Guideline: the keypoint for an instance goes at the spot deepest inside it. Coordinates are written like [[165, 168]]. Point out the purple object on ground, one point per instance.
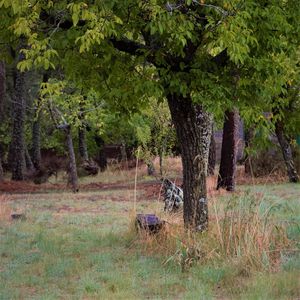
[[149, 222]]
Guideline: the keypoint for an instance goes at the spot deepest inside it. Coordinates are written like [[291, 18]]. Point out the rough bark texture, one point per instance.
[[286, 152], [249, 135], [83, 152], [36, 143], [1, 171], [17, 147], [73, 178], [189, 128], [226, 177], [2, 87], [2, 99], [212, 153], [101, 157]]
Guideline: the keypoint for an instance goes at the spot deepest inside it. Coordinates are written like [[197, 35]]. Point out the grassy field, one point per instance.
[[84, 246]]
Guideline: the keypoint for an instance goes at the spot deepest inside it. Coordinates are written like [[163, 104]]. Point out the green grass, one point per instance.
[[81, 247]]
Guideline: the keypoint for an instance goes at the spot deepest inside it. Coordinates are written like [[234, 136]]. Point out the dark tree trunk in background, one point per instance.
[[2, 87], [226, 177], [36, 142], [123, 152], [28, 161], [161, 162], [187, 122], [1, 171], [83, 152], [2, 99], [212, 153], [73, 178], [17, 146], [286, 151], [249, 135], [36, 132], [150, 168], [101, 157]]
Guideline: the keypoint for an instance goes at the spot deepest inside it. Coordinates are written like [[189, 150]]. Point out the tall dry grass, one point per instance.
[[5, 209], [243, 231]]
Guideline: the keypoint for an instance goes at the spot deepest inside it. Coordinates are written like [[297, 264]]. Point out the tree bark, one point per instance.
[[28, 160], [83, 152], [1, 171], [226, 177], [212, 153], [2, 87], [2, 99], [18, 144], [286, 151], [249, 135], [189, 129], [36, 142], [101, 157], [73, 178]]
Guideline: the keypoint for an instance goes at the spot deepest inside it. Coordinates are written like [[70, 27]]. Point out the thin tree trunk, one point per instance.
[[286, 151], [83, 152], [36, 142], [212, 153], [1, 171], [226, 177], [2, 87], [101, 157], [18, 144], [161, 154], [123, 152], [73, 178], [189, 128], [28, 160], [249, 135]]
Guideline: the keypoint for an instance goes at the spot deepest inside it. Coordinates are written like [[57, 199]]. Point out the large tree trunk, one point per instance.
[[2, 99], [286, 151], [73, 178], [212, 153], [17, 147], [83, 152], [226, 177], [189, 128]]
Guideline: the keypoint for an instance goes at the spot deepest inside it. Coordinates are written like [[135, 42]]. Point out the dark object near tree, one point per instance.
[[149, 222], [16, 216], [90, 167], [226, 177], [42, 175], [150, 168], [101, 158]]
